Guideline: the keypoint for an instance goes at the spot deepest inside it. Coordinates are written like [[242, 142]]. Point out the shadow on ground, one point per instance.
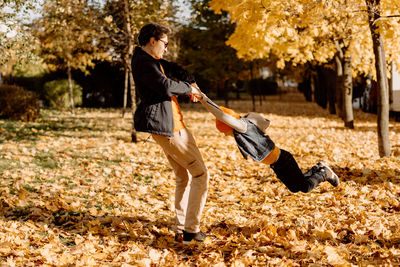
[[72, 127]]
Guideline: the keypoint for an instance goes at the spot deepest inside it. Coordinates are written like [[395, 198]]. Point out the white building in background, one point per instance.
[[395, 85], [266, 73]]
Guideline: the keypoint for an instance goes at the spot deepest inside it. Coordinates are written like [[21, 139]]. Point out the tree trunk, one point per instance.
[[125, 90], [308, 90], [71, 90], [317, 92], [253, 101], [383, 88], [305, 85], [237, 91], [348, 93], [133, 100], [339, 86], [321, 86], [252, 90], [331, 88], [226, 93], [128, 59], [344, 82], [391, 88]]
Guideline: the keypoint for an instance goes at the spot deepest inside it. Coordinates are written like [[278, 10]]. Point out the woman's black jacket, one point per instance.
[[154, 89]]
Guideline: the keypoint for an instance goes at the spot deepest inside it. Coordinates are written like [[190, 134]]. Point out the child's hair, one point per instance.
[[222, 127]]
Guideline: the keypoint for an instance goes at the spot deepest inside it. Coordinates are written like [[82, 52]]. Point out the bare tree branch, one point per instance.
[[385, 17]]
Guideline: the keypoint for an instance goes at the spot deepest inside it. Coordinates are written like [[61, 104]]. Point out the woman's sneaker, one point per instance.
[[199, 237], [329, 175]]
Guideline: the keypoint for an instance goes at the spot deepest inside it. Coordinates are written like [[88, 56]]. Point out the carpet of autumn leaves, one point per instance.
[[75, 191]]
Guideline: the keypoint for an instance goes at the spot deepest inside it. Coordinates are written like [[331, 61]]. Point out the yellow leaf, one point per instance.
[[333, 257], [5, 248]]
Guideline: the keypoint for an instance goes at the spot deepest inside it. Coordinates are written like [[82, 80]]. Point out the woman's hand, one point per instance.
[[196, 94]]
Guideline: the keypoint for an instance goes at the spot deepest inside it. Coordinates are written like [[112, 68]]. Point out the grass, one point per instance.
[[7, 164], [30, 188], [45, 160]]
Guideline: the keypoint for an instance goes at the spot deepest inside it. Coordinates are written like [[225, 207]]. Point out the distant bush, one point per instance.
[[103, 87], [16, 103], [57, 94]]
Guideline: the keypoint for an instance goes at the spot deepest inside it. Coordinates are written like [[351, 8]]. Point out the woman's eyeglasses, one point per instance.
[[165, 43]]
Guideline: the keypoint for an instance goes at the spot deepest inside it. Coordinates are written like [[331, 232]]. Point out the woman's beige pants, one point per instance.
[[191, 178]]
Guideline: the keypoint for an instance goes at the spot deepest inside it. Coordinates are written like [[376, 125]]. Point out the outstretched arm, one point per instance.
[[237, 124]]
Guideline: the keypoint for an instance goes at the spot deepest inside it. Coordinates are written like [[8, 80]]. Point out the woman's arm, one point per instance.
[[237, 124], [173, 70], [148, 74]]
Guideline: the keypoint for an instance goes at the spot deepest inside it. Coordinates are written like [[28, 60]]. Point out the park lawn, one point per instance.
[[75, 191]]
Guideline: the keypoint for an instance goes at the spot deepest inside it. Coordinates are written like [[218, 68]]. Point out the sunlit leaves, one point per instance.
[[140, 13], [203, 49], [17, 44], [299, 31], [69, 32]]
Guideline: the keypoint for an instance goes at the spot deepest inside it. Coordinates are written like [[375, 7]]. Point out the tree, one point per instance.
[[374, 15], [124, 18], [204, 52], [300, 30], [296, 37], [17, 44], [70, 36]]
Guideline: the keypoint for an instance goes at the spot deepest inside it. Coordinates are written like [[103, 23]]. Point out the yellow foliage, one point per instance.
[[309, 27]]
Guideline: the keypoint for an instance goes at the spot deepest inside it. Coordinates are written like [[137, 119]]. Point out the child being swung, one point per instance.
[[248, 132]]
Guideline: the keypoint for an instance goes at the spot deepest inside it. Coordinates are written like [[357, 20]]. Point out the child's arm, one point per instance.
[[237, 124]]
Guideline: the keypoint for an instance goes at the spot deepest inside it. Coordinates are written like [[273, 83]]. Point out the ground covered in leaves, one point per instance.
[[75, 191]]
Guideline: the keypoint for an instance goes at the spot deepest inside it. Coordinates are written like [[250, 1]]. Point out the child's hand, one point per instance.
[[196, 94]]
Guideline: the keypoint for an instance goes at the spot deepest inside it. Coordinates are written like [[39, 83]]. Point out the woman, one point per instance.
[[158, 83]]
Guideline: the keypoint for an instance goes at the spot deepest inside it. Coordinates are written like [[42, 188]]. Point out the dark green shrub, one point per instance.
[[57, 94], [16, 103]]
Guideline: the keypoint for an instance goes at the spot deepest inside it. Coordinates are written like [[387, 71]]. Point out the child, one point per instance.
[[248, 132]]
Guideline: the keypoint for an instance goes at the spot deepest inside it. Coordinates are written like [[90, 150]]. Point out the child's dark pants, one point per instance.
[[287, 170]]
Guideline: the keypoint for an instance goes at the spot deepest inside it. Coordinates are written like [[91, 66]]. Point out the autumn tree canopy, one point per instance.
[[70, 36], [68, 32], [358, 32], [299, 31], [204, 51], [17, 44]]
